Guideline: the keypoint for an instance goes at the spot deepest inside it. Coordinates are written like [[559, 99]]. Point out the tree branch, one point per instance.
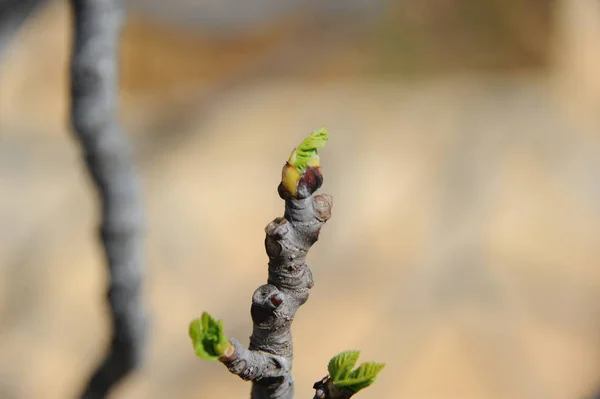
[[94, 91], [268, 361]]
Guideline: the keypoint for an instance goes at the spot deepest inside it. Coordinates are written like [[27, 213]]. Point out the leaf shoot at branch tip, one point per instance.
[[306, 154], [303, 157], [341, 373], [208, 339]]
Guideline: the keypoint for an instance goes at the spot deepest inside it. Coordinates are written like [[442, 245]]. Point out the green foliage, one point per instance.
[[306, 153], [341, 373], [208, 339], [341, 364]]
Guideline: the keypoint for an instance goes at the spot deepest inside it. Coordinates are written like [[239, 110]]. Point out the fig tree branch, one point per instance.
[[267, 362]]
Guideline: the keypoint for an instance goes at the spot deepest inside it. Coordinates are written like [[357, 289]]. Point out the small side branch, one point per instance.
[[252, 365], [94, 91]]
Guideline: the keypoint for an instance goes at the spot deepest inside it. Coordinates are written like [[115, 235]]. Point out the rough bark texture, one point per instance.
[[94, 90], [268, 361]]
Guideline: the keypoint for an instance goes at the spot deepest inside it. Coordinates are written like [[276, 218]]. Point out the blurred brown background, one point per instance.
[[464, 162]]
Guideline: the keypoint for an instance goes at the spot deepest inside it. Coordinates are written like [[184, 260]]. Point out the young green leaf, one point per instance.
[[208, 339], [342, 364], [360, 378], [343, 377], [306, 153]]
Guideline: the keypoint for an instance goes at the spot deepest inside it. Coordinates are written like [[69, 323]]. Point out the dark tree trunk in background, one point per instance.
[[94, 90]]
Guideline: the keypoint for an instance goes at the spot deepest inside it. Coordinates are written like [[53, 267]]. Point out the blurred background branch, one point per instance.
[[95, 92]]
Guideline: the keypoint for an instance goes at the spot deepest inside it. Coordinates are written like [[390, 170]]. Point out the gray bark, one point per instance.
[[94, 91], [268, 360]]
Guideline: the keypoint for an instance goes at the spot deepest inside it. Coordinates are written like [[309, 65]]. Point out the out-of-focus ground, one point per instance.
[[464, 162]]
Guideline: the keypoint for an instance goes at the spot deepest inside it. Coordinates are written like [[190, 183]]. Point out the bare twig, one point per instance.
[[268, 361], [94, 90]]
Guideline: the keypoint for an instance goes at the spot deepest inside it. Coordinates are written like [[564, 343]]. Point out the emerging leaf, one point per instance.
[[343, 377], [361, 378], [303, 157], [342, 364], [306, 153], [208, 339]]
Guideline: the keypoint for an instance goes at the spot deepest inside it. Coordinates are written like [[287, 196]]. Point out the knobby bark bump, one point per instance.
[[267, 362], [94, 95]]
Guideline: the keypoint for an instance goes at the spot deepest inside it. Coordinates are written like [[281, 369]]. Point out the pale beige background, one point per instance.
[[463, 248]]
